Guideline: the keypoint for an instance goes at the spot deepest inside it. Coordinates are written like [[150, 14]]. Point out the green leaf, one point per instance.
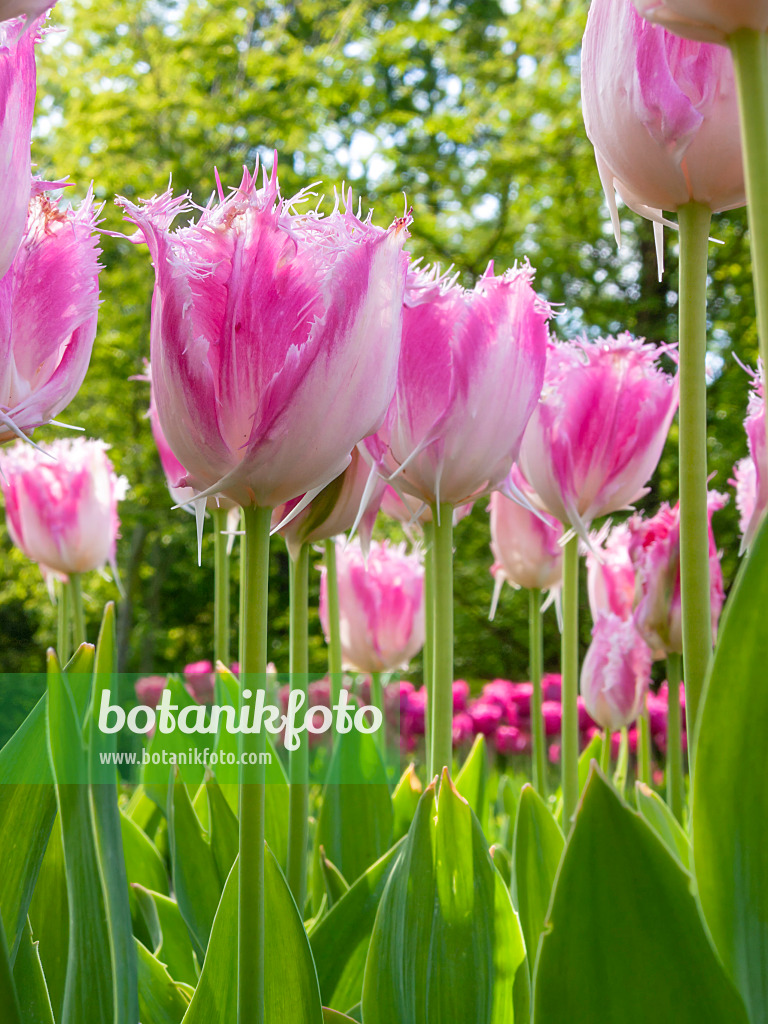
[[9, 999], [589, 754], [335, 883], [471, 779], [447, 943], [291, 991], [142, 858], [160, 999], [405, 800], [223, 829], [195, 878], [624, 940], [730, 797], [661, 819], [49, 916], [334, 1017], [537, 850], [30, 983], [170, 937], [156, 777], [341, 938]]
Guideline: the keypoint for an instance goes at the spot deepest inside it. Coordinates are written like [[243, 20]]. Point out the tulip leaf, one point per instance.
[[291, 990], [335, 883], [623, 929], [170, 937], [9, 999], [537, 850], [472, 777], [447, 943], [49, 916], [730, 797], [589, 754], [661, 819], [160, 1000], [341, 938], [173, 749], [142, 858], [30, 983], [224, 831], [334, 1017], [405, 800]]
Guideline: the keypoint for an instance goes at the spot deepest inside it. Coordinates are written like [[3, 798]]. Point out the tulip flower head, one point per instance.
[[31, 9], [751, 473], [662, 114], [610, 573], [470, 374], [275, 338], [709, 20], [598, 431], [381, 605], [48, 310], [616, 672], [61, 503]]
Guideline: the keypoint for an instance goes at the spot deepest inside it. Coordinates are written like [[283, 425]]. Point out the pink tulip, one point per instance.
[[335, 510], [525, 545], [616, 672], [30, 8], [662, 114], [511, 740], [470, 374], [275, 338], [463, 729], [199, 681], [149, 690], [486, 716], [381, 605], [655, 552], [599, 429], [751, 473], [552, 713], [409, 510], [709, 20], [61, 503], [48, 309], [610, 573]]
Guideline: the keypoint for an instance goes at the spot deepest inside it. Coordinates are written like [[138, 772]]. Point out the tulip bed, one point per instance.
[[233, 844]]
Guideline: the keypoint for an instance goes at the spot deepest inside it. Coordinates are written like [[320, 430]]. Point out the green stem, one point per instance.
[[428, 654], [64, 625], [334, 626], [537, 721], [622, 763], [253, 639], [241, 595], [750, 60], [442, 689], [605, 753], [644, 745], [220, 595], [377, 700], [570, 671], [298, 800], [78, 617], [694, 220], [675, 780]]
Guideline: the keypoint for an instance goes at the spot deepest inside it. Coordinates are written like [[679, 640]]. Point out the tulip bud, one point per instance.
[[61, 503], [709, 20], [381, 606], [610, 573], [524, 544], [616, 672]]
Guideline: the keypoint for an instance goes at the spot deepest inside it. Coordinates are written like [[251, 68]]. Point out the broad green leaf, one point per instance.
[[49, 916], [224, 831], [195, 878], [537, 850], [335, 883], [160, 999], [664, 823], [291, 991], [472, 778], [502, 861], [30, 983], [9, 999], [624, 940], [143, 811], [447, 943], [175, 746], [170, 936], [142, 859], [730, 796], [334, 1017], [341, 938], [405, 800], [589, 754]]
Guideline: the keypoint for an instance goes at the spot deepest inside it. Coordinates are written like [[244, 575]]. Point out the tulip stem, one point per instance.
[[675, 780], [334, 627], [535, 639], [694, 220], [298, 800], [241, 595], [605, 753], [377, 700], [220, 595], [750, 61], [64, 625], [78, 617], [644, 744], [253, 638], [622, 763], [570, 685], [442, 689], [428, 651]]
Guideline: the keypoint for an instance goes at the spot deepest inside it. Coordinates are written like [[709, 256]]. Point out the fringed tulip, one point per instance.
[[381, 604], [48, 310], [275, 338], [662, 114], [31, 9], [61, 503], [470, 374], [751, 474], [709, 20], [525, 545], [655, 552], [616, 672], [599, 429], [610, 573]]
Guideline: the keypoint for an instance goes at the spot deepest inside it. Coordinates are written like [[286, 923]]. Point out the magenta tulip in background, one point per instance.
[[712, 20], [471, 370], [598, 431], [275, 338], [616, 672], [48, 310], [610, 573], [526, 546], [61, 503], [751, 473], [655, 552], [381, 605], [662, 114]]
